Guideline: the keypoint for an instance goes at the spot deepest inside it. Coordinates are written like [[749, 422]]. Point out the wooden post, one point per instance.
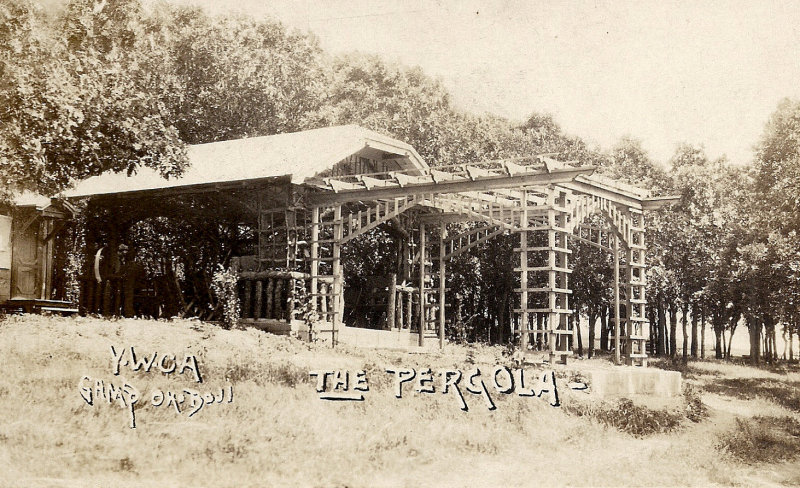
[[117, 290], [524, 337], [399, 311], [247, 302], [89, 283], [338, 313], [409, 310], [391, 302], [421, 283], [269, 312], [441, 285], [616, 300], [98, 296], [87, 292], [130, 273], [259, 296], [324, 289], [278, 302], [113, 244], [552, 317], [314, 257], [290, 293]]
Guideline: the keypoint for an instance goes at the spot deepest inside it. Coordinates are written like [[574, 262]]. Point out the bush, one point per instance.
[[225, 286], [673, 364], [286, 374], [628, 417], [762, 439], [696, 410]]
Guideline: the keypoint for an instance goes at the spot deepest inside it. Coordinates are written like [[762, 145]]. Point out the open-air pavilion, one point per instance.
[[304, 196]]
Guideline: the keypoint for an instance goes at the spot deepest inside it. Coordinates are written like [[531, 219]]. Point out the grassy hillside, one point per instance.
[[277, 432]]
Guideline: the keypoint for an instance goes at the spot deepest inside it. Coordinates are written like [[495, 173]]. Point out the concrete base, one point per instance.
[[390, 339], [295, 328], [354, 336], [626, 382]]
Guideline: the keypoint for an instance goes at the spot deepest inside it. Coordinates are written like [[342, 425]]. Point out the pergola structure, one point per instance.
[[347, 181], [544, 201]]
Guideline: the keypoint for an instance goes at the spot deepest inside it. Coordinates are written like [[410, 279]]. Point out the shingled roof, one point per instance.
[[297, 155]]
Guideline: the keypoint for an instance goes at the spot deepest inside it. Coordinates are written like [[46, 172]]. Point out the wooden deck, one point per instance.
[[27, 305]]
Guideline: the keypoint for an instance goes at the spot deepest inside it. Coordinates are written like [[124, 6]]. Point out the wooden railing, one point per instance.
[[279, 295], [401, 306]]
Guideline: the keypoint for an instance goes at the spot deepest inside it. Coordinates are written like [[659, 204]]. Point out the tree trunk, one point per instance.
[[734, 322], [684, 329], [653, 326], [785, 344], [503, 317], [577, 324], [718, 326], [694, 331], [702, 332], [754, 328], [603, 328], [662, 330], [723, 341], [673, 329], [769, 333], [774, 343], [774, 334], [728, 348], [592, 320]]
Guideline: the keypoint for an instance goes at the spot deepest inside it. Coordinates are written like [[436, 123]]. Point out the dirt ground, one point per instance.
[[277, 431]]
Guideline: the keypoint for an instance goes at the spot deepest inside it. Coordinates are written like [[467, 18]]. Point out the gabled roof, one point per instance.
[[298, 155], [30, 199], [45, 206]]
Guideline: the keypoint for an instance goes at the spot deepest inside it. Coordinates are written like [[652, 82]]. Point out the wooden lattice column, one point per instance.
[[524, 316], [421, 283], [442, 281], [559, 326], [338, 279], [636, 303], [616, 304], [322, 249], [314, 260], [544, 276]]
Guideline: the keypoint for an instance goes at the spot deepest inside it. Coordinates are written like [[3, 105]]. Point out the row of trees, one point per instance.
[[112, 86]]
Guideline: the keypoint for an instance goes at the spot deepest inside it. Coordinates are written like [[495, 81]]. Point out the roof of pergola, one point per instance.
[[498, 182], [294, 156], [305, 157]]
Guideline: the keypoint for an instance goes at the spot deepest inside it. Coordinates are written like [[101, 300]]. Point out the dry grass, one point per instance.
[[782, 392], [278, 433], [763, 439]]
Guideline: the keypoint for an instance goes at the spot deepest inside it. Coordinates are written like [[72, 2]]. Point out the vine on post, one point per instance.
[[225, 286]]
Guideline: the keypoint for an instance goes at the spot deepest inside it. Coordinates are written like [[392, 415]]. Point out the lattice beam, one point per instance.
[[350, 193]]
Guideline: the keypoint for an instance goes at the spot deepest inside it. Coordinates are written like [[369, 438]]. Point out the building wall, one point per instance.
[[5, 257]]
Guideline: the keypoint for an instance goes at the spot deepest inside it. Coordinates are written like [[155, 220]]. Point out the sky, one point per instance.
[[664, 72]]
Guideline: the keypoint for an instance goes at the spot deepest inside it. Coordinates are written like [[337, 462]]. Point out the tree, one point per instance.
[[591, 281], [229, 77], [630, 163], [769, 259], [75, 102]]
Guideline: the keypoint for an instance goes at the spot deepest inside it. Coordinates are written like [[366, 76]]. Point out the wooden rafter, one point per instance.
[[418, 185], [375, 215], [474, 237]]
